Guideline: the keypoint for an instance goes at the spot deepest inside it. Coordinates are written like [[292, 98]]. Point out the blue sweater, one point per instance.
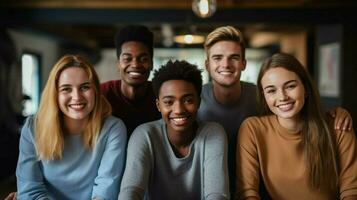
[[81, 173]]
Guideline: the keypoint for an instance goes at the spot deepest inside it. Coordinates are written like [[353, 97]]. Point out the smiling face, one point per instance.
[[135, 63], [225, 63], [284, 93], [76, 95], [178, 103]]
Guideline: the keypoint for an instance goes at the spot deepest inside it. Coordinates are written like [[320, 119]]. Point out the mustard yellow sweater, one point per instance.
[[266, 149]]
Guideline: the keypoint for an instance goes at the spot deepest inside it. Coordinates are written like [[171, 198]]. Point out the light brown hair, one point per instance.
[[225, 33], [318, 144]]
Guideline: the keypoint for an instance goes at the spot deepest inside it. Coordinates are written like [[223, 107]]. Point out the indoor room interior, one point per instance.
[[312, 30]]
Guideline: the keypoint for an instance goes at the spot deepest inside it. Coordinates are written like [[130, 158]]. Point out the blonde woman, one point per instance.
[[72, 148], [293, 148]]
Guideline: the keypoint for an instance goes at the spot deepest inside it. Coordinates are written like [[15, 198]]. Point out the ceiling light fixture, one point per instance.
[[189, 39], [204, 8]]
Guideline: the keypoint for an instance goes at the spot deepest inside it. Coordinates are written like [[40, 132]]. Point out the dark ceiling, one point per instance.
[[92, 23]]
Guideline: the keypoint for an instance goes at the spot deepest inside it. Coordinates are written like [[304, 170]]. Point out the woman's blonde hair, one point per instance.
[[319, 146], [49, 123]]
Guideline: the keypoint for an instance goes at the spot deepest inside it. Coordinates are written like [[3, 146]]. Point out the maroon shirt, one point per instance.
[[133, 113]]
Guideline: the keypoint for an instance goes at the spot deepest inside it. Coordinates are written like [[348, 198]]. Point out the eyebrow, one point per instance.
[[231, 55], [287, 82], [142, 54], [172, 97], [68, 85]]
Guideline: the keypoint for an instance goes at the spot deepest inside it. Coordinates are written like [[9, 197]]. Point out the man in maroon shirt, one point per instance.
[[132, 97]]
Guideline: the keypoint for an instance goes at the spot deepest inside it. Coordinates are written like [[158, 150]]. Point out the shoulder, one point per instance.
[[29, 124], [212, 129], [114, 125], [207, 99], [249, 90], [211, 126], [147, 133], [247, 85], [110, 85], [206, 88], [28, 129], [150, 91], [257, 123], [149, 128], [113, 121], [152, 127]]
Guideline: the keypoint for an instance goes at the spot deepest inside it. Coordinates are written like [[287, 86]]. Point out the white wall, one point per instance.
[[107, 67]]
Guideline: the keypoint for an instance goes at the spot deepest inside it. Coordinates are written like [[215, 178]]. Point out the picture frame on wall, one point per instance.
[[329, 69]]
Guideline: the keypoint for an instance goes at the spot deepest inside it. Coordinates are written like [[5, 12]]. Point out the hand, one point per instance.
[[343, 119], [11, 196]]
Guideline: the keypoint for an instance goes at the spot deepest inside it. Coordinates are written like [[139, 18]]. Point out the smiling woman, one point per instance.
[[294, 145], [72, 148]]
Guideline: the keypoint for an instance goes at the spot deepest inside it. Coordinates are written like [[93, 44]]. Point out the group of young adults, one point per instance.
[[174, 139]]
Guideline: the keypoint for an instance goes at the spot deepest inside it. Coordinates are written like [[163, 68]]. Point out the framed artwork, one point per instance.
[[329, 70]]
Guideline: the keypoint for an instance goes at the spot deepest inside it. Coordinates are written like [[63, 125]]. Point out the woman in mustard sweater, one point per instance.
[[293, 148]]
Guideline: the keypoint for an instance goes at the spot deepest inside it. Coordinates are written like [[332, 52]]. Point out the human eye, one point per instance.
[[188, 100], [144, 59], [65, 89], [270, 91], [291, 86], [85, 87], [216, 58], [167, 102], [126, 59], [236, 58]]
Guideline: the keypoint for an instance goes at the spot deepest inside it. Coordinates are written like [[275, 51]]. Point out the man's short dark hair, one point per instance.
[[177, 70], [136, 33]]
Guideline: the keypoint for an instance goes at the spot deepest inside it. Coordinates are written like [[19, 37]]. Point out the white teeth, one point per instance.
[[135, 73], [179, 119], [285, 107], [76, 106], [225, 73]]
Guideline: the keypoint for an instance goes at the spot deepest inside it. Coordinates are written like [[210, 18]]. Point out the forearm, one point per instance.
[[107, 182], [216, 180]]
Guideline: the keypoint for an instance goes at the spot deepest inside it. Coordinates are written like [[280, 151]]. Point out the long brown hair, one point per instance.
[[49, 135], [319, 148]]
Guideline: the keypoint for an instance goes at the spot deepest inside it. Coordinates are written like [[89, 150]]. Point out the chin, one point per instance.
[[287, 115], [78, 117]]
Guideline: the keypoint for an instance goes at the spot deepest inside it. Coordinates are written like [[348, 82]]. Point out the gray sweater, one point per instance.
[[153, 168], [230, 117]]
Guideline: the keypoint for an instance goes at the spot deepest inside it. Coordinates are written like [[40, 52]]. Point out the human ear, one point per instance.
[[244, 63], [158, 105]]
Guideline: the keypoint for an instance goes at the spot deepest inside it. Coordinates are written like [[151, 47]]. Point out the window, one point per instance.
[[30, 82]]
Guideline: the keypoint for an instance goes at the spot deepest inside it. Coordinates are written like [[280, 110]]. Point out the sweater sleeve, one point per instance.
[[107, 182], [248, 171], [138, 166], [30, 183], [216, 181], [347, 150]]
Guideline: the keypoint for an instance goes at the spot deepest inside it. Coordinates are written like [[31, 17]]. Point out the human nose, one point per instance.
[[76, 94], [225, 62], [179, 108], [135, 62], [282, 95]]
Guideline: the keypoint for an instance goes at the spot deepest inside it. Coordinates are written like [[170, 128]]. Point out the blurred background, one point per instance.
[[35, 33]]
